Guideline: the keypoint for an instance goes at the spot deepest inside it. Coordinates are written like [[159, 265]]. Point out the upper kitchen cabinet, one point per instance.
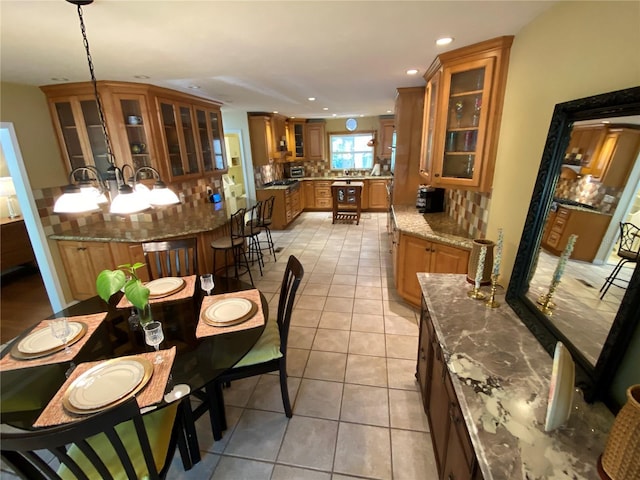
[[296, 142], [617, 156], [268, 136], [463, 107], [316, 139], [178, 134], [387, 129], [211, 138]]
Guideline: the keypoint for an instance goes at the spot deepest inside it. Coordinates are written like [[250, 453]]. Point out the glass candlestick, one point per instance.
[[491, 303]]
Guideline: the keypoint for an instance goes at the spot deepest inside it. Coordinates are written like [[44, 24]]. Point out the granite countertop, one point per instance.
[[356, 178], [439, 227], [501, 375], [183, 220], [583, 209]]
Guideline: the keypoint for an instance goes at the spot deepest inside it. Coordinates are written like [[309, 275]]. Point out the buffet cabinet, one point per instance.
[[462, 112], [287, 204], [455, 457], [413, 254], [180, 135]]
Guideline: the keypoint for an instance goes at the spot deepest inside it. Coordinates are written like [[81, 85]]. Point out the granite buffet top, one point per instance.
[[184, 220], [439, 227], [501, 375]]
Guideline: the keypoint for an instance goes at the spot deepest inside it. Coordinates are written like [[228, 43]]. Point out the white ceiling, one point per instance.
[[252, 55]]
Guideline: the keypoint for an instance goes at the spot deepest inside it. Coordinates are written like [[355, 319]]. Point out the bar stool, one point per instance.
[[233, 244], [252, 230], [264, 221]]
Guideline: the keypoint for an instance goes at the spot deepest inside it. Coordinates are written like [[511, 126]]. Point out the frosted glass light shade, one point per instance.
[[7, 188], [128, 201], [161, 195], [73, 200], [92, 191]]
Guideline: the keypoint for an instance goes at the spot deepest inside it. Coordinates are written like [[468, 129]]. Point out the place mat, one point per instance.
[[205, 330], [92, 322], [152, 393], [186, 292]]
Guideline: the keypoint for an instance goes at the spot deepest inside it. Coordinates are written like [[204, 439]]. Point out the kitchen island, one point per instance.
[[87, 249], [485, 381]]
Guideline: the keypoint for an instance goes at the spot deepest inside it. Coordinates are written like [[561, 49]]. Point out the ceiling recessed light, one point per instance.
[[275, 111], [444, 41], [335, 114], [389, 111], [412, 71], [325, 108], [60, 79], [194, 87], [312, 99], [141, 77], [361, 115]]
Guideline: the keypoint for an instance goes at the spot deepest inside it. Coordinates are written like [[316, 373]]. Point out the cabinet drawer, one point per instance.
[[554, 239], [323, 202], [323, 192]]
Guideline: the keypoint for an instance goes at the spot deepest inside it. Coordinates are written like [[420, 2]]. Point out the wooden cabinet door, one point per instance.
[[439, 407], [133, 119], [428, 125], [309, 194], [619, 152], [414, 257], [460, 457], [378, 195], [315, 136], [446, 259], [387, 128], [83, 261], [425, 356], [296, 142], [261, 138], [211, 139]]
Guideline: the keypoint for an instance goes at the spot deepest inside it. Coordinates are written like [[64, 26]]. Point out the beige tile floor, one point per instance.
[[357, 412]]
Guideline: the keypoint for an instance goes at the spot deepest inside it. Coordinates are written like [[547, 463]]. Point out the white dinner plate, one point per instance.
[[229, 311], [107, 383], [164, 286], [42, 340], [561, 389]]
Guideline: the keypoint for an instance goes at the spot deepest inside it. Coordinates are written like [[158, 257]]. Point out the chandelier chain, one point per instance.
[[103, 123]]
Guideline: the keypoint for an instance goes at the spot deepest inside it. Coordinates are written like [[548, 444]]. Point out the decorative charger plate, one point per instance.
[[41, 342], [561, 388], [107, 384], [162, 287], [229, 311]]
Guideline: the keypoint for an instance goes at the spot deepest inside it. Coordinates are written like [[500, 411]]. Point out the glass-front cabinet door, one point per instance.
[[179, 136], [69, 130], [132, 114], [465, 89], [211, 140]]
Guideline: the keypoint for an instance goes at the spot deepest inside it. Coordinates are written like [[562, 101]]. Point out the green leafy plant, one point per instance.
[[109, 282]]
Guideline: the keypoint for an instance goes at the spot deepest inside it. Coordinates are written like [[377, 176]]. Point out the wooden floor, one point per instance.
[[23, 302]]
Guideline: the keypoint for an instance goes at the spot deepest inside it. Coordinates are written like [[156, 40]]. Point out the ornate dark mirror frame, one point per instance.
[[593, 380]]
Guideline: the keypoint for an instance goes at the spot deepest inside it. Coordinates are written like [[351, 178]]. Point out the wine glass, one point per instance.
[[154, 336], [206, 282], [60, 329]]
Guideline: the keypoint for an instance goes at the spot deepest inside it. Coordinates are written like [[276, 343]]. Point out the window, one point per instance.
[[350, 151]]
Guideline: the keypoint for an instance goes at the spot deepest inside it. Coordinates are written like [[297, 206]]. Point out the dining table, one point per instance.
[[27, 390]]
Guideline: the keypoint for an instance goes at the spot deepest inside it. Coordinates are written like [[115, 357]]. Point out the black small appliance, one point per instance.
[[430, 200]]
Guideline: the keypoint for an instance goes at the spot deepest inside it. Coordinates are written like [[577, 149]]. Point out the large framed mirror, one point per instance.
[[569, 198]]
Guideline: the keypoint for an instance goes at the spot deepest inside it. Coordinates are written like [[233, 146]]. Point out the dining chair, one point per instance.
[[265, 222], [171, 258], [252, 230], [234, 244], [269, 354], [116, 443], [628, 251]]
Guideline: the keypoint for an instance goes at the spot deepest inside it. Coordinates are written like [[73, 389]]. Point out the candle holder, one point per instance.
[[491, 303], [476, 294], [545, 305]]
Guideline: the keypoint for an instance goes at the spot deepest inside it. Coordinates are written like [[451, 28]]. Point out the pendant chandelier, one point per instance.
[[82, 195]]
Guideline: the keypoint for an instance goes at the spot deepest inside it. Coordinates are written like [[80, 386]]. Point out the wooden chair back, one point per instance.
[[290, 282], [172, 258], [29, 452]]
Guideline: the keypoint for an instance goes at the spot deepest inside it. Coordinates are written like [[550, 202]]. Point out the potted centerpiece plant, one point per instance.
[[124, 278]]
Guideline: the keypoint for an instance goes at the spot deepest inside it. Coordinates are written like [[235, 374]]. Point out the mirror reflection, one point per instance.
[[596, 189]]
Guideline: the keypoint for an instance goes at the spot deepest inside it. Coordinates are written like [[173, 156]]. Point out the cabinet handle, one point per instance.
[[436, 174], [81, 249], [450, 477]]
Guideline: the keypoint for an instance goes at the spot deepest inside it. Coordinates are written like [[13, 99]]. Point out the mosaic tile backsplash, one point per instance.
[[586, 190], [470, 210]]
